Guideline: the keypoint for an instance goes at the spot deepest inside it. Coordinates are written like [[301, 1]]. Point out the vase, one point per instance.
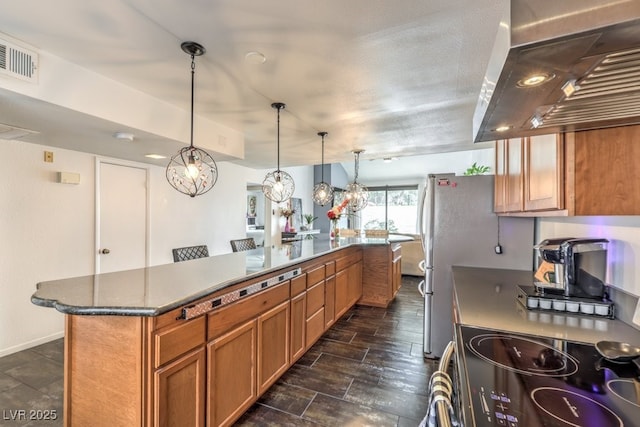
[[287, 228], [334, 232]]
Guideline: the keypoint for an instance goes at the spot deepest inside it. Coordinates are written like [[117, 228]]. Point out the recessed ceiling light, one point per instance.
[[535, 79], [155, 156], [123, 136], [255, 58]]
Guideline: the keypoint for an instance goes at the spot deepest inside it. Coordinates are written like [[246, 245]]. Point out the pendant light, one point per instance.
[[278, 186], [322, 192], [192, 170], [356, 193]]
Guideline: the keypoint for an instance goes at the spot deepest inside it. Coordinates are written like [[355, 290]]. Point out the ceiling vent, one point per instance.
[[11, 132], [18, 62]]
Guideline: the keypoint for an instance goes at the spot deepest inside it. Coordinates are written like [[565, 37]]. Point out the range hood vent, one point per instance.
[[18, 62], [611, 91], [589, 49]]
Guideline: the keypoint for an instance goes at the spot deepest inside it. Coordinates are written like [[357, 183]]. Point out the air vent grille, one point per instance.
[[18, 62], [610, 91]]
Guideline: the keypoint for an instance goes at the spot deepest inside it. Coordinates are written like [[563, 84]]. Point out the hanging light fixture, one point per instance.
[[356, 193], [192, 170], [322, 192], [278, 186]]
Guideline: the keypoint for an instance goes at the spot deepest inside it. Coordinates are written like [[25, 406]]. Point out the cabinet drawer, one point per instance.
[[315, 298], [174, 341], [298, 285], [314, 276], [347, 260], [222, 320], [330, 268]]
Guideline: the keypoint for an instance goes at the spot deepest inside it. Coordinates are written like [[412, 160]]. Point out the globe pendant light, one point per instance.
[[322, 192], [192, 170], [278, 186], [356, 193]]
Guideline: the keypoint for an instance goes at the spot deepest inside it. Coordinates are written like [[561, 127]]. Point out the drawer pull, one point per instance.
[[206, 306]]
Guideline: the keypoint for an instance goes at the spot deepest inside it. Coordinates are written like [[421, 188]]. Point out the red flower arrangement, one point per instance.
[[335, 212]]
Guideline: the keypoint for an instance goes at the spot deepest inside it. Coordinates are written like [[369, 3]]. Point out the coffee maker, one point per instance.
[[572, 267]]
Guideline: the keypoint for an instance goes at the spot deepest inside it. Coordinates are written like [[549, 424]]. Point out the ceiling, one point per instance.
[[396, 79]]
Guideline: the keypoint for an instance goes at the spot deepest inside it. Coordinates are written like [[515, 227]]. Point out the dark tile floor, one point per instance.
[[367, 370], [31, 386]]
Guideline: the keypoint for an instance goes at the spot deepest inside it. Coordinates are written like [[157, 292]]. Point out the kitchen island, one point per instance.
[[535, 367], [197, 342]]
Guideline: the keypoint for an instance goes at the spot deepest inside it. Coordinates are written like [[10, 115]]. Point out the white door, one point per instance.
[[121, 217]]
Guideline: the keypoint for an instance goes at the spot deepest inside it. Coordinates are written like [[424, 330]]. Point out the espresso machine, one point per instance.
[[572, 267]]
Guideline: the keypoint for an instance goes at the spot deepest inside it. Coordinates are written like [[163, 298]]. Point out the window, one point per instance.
[[392, 208]]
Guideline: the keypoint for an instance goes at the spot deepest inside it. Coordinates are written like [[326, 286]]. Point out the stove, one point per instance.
[[518, 380]]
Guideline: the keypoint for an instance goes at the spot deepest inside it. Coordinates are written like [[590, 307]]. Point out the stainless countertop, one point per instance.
[[152, 291], [486, 298]]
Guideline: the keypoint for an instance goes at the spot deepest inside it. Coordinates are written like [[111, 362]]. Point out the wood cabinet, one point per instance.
[[330, 294], [509, 181], [396, 269], [582, 173], [179, 391], [208, 362], [529, 174], [298, 318], [543, 173], [273, 345], [251, 356], [231, 374], [381, 274], [179, 380], [603, 168]]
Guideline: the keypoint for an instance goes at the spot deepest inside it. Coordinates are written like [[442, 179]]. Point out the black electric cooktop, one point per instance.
[[518, 380]]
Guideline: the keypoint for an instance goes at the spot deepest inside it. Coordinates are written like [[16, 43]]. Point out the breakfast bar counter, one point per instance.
[[155, 290], [198, 342]]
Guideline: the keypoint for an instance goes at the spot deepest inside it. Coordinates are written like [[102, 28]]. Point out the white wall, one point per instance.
[[47, 228], [623, 232]]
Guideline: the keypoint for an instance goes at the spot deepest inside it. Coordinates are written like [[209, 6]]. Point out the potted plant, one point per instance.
[[308, 218]]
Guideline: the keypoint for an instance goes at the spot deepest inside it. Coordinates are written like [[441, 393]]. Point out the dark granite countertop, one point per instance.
[[487, 298], [152, 291]]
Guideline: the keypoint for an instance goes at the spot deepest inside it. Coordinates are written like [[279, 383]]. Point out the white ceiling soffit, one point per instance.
[[396, 78]]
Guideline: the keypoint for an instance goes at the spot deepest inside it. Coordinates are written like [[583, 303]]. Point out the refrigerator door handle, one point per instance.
[[421, 288], [422, 201]]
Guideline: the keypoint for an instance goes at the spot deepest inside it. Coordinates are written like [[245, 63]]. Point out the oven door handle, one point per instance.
[[440, 393]]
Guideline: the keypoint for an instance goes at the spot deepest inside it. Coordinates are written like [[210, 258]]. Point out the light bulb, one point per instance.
[[191, 171], [278, 187], [322, 194]]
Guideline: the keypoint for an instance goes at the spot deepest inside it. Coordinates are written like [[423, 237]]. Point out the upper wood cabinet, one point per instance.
[[509, 175], [529, 174], [590, 172], [543, 172], [606, 172]]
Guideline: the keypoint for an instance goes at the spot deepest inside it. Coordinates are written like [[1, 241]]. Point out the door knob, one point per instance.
[[105, 251]]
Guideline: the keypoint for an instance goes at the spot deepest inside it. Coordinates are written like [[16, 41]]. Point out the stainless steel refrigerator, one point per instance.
[[458, 227]]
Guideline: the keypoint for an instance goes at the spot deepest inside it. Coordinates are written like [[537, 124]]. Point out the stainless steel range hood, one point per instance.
[[589, 48]]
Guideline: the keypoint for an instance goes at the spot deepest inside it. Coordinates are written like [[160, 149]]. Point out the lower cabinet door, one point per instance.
[[298, 325], [273, 345], [179, 390], [232, 374], [330, 301]]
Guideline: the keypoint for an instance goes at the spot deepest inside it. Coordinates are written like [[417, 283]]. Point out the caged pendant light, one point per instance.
[[278, 186], [322, 192], [192, 170], [356, 193]]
